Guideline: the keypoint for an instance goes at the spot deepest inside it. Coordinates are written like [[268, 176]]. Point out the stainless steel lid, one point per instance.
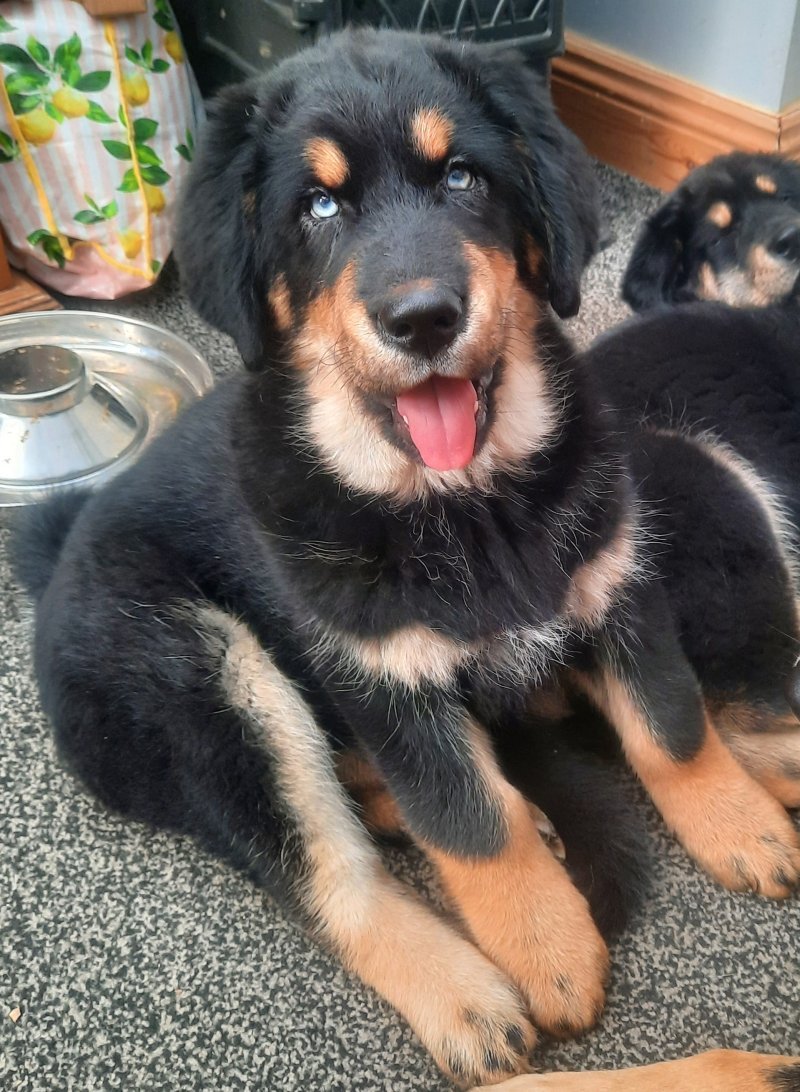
[[81, 393]]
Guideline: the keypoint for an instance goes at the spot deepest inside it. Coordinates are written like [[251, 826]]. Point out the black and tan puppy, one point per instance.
[[730, 232], [337, 577]]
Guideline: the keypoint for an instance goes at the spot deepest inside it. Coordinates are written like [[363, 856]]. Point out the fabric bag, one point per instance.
[[97, 125]]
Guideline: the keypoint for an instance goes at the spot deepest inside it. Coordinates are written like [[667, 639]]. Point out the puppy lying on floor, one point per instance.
[[340, 575], [729, 232]]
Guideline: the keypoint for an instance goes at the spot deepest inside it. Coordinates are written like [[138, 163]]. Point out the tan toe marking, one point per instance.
[[714, 1071], [327, 161], [431, 131]]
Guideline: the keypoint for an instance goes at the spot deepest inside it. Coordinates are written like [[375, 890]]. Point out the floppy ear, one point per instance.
[[656, 266], [217, 238], [557, 183]]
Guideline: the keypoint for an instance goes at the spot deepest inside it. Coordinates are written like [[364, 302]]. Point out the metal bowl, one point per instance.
[[81, 394]]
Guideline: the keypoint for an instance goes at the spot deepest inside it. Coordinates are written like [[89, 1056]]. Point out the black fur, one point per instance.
[[679, 239], [698, 370]]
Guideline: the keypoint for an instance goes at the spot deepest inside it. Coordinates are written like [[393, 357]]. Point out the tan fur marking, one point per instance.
[[772, 276], [720, 214], [327, 161], [341, 353], [596, 585], [249, 203], [766, 184], [766, 280], [280, 302], [724, 819], [766, 744], [714, 1071], [707, 284], [412, 655], [460, 1005], [379, 810], [430, 133], [525, 914]]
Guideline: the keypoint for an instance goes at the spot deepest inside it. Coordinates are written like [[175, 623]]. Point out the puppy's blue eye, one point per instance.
[[459, 178], [323, 206]]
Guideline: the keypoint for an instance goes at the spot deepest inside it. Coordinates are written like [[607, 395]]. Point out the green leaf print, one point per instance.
[[39, 52], [86, 216], [9, 149], [117, 149], [159, 66], [93, 81], [49, 244], [163, 15], [23, 104], [147, 155], [14, 56], [53, 112], [67, 53], [97, 113], [5, 26], [22, 83], [129, 183], [156, 176], [144, 129]]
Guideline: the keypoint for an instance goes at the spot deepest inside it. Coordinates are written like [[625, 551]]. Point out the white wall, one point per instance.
[[744, 49]]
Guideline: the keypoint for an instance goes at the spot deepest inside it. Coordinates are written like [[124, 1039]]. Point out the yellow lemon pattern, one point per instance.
[[136, 89], [37, 126], [71, 103], [46, 85]]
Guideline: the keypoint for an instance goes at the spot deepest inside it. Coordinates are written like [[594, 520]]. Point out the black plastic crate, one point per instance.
[[532, 25], [229, 40]]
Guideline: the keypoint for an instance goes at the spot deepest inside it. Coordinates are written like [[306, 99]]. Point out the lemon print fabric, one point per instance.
[[98, 125]]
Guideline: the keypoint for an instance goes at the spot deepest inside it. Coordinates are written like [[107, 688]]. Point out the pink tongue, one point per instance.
[[440, 414]]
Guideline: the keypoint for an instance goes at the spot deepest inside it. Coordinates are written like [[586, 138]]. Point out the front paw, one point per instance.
[[749, 844], [560, 962]]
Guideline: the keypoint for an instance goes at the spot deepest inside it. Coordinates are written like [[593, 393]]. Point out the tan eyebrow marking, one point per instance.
[[766, 184], [720, 214], [327, 161], [430, 133]]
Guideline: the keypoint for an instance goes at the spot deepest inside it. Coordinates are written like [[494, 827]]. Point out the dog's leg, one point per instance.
[[524, 912], [516, 899], [382, 817], [464, 1009], [716, 1071], [732, 826], [766, 743]]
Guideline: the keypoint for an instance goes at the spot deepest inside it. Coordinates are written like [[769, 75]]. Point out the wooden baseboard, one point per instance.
[[23, 294], [653, 125]]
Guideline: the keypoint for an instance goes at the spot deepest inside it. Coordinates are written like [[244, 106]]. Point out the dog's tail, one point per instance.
[[589, 800], [38, 536]]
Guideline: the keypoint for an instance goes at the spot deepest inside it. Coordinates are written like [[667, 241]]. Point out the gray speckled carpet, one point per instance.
[[140, 964]]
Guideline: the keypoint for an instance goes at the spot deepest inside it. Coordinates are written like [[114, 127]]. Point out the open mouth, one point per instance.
[[443, 419]]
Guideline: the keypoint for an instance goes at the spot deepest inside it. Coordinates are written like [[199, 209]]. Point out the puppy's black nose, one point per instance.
[[787, 243], [422, 319]]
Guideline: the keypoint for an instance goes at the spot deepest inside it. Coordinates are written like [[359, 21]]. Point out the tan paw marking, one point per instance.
[[525, 914]]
